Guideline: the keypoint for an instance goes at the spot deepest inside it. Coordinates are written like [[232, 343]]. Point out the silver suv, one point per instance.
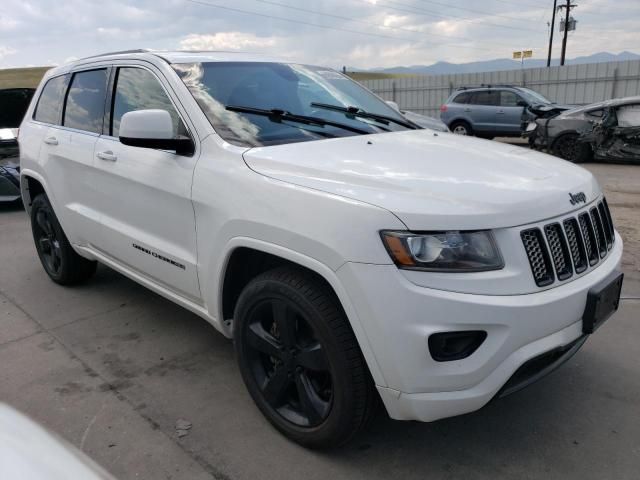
[[489, 111]]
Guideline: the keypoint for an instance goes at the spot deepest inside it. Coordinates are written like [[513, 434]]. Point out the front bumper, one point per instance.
[[399, 316]]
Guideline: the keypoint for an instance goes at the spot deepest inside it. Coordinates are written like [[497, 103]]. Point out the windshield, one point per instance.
[[533, 96], [290, 88]]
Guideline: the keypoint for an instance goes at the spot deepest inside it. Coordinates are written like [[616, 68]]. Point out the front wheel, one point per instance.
[[300, 359], [60, 261], [569, 148]]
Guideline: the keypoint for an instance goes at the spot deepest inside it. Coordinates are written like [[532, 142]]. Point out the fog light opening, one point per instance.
[[450, 346]]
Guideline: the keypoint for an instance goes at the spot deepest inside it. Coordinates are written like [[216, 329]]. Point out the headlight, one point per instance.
[[451, 251], [532, 126]]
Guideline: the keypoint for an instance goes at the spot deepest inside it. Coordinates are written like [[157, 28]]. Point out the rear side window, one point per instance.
[[509, 99], [84, 109], [50, 101], [462, 98], [488, 98], [139, 89]]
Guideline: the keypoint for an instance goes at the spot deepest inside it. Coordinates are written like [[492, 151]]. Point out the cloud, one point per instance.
[[227, 41], [6, 51], [392, 33]]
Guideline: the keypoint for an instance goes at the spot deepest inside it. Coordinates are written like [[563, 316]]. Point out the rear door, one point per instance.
[[67, 154], [144, 195], [484, 104], [509, 113]]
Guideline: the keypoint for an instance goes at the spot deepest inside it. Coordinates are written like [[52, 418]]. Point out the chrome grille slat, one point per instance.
[[538, 257], [559, 251], [573, 245], [597, 224], [589, 237], [576, 246], [605, 225]]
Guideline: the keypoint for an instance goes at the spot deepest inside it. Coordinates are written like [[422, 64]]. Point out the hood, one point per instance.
[[433, 181]]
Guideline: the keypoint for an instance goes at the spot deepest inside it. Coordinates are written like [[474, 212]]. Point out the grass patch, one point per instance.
[[22, 77]]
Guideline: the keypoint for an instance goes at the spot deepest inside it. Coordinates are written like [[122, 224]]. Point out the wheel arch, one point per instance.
[[246, 258], [31, 185]]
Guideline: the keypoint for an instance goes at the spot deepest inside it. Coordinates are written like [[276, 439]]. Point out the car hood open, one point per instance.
[[433, 181]]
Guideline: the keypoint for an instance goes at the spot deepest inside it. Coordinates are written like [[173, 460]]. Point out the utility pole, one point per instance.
[[553, 26], [568, 8]]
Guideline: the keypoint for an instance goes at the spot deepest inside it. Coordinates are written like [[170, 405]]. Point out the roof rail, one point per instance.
[[498, 86], [121, 52]]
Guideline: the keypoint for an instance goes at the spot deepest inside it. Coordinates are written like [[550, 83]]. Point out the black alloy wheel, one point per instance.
[[47, 243], [59, 260], [288, 362], [300, 359], [569, 148]]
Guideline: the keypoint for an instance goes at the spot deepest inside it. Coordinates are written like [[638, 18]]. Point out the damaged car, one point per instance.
[[13, 104], [605, 131]]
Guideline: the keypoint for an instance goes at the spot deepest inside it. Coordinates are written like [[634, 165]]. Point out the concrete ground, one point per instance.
[[112, 367]]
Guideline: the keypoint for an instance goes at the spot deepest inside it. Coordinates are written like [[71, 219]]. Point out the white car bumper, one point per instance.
[[399, 317]]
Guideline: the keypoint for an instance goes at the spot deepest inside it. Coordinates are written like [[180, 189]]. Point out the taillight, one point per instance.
[[443, 108]]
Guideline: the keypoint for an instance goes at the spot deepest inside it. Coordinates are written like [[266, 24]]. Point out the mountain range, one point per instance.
[[443, 68]]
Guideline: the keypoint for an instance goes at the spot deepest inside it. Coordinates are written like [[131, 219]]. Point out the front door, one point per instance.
[[144, 195], [509, 114]]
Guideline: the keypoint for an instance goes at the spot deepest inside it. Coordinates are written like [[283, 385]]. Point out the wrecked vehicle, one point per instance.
[[605, 130], [13, 104]]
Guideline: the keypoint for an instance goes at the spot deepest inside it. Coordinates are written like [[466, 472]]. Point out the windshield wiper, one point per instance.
[[277, 115], [358, 112]]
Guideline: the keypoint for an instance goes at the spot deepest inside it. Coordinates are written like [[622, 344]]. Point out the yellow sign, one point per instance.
[[517, 55], [527, 54]]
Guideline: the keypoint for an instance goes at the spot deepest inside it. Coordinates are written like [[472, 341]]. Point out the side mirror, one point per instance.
[[152, 129], [393, 105], [522, 103]]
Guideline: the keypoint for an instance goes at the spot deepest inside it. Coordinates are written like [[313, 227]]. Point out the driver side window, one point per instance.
[[139, 89]]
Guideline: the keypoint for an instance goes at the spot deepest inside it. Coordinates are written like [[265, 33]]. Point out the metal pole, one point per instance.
[[553, 26], [566, 32]]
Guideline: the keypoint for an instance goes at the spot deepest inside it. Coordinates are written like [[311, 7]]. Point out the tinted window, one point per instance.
[[84, 109], [509, 99], [15, 102], [50, 101], [462, 98], [487, 97], [286, 87], [139, 89]]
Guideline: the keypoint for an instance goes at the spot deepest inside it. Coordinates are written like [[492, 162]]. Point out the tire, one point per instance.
[[568, 148], [300, 359], [460, 127], [59, 260]]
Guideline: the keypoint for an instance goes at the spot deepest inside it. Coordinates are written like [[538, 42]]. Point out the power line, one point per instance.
[[291, 20], [373, 24], [430, 13], [328, 27], [482, 12]]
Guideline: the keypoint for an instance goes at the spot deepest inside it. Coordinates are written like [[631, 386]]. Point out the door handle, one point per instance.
[[501, 112], [51, 141], [107, 156], [467, 109]]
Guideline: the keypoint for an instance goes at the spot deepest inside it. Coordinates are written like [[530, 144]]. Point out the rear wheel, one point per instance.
[[300, 360], [461, 128], [569, 148], [60, 261]]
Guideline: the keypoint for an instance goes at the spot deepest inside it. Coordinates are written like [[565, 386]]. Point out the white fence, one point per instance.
[[572, 85]]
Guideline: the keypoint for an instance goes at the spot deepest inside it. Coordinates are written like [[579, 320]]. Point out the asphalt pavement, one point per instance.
[[114, 369]]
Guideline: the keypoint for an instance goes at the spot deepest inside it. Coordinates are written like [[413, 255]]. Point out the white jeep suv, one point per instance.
[[350, 254]]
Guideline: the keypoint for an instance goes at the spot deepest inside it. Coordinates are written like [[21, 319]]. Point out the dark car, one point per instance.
[[607, 130], [13, 104]]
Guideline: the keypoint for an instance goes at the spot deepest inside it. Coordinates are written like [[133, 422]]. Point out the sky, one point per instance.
[[357, 33]]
